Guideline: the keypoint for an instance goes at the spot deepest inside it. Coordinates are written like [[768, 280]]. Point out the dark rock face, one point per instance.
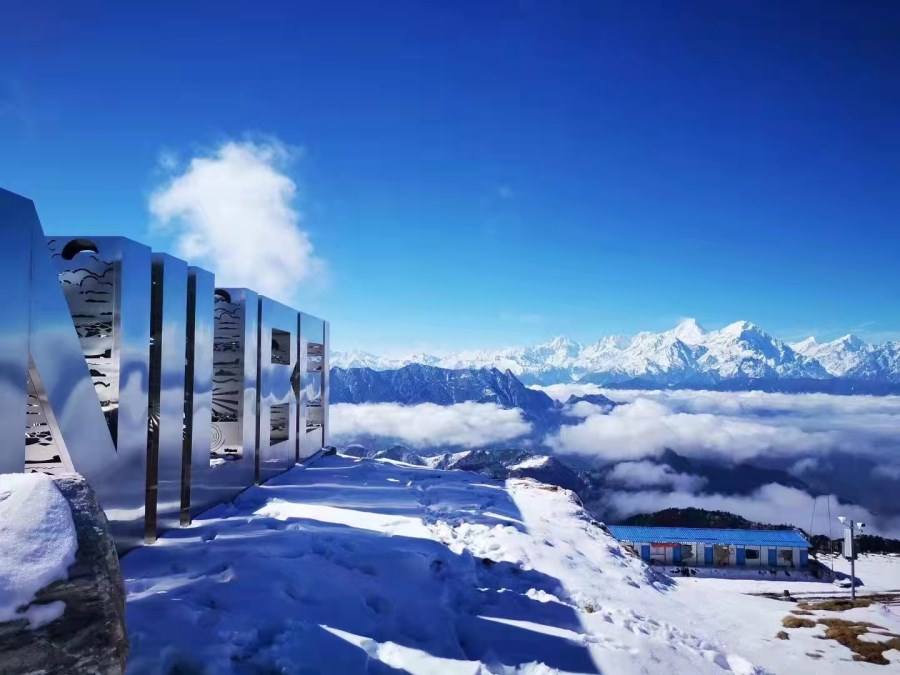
[[416, 383], [90, 636]]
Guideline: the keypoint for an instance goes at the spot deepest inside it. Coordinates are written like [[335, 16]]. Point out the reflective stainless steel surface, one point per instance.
[[235, 361], [18, 222], [312, 379], [107, 286], [326, 370], [197, 492], [277, 423], [99, 333], [168, 347]]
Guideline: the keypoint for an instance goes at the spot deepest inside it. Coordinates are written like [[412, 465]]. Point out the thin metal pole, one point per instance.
[[852, 560]]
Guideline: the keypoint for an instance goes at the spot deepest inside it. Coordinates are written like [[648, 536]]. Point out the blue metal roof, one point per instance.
[[706, 535]]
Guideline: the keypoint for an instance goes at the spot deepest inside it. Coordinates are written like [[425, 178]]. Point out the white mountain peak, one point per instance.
[[689, 331], [685, 353], [738, 327]]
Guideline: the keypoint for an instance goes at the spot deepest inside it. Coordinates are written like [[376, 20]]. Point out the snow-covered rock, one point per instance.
[[62, 600], [37, 545]]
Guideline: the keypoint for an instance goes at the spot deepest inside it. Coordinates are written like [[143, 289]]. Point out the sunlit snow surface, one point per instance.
[[38, 543], [361, 566]]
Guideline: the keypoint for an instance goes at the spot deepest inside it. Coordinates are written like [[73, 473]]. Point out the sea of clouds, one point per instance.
[[819, 439]]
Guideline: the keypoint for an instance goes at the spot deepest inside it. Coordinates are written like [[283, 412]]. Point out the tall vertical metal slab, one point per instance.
[[168, 340], [106, 282], [312, 335], [326, 370], [235, 362], [277, 422], [18, 220], [197, 492]]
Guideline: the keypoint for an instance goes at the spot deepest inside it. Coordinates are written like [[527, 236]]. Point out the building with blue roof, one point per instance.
[[700, 546]]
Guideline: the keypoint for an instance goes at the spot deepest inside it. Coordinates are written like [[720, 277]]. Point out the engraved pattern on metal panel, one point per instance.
[[235, 360]]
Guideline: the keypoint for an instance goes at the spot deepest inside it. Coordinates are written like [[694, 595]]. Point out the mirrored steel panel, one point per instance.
[[198, 493], [312, 388], [168, 348], [106, 282], [130, 368], [18, 222], [326, 370], [234, 404], [277, 427]]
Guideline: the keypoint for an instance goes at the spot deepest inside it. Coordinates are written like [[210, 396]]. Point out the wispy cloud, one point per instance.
[[232, 209], [648, 474]]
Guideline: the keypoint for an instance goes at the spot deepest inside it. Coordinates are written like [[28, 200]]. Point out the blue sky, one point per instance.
[[478, 174]]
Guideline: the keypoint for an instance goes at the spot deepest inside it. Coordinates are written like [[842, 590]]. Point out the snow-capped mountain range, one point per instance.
[[686, 355]]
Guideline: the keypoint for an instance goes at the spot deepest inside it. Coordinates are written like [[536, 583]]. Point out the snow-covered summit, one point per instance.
[[689, 332], [838, 357], [687, 354]]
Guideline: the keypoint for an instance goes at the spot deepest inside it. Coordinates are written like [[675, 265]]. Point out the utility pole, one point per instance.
[[850, 530]]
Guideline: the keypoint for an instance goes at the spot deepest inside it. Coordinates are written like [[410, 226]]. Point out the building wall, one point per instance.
[[668, 556]]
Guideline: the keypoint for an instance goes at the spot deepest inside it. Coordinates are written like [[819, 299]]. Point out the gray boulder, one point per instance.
[[90, 636]]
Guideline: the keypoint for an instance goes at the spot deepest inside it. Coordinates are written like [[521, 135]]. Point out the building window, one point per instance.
[[687, 551], [721, 554], [786, 555], [751, 554]]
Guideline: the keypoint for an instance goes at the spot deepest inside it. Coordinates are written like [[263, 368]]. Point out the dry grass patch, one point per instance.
[[838, 605], [801, 612], [847, 633], [797, 622], [782, 635]]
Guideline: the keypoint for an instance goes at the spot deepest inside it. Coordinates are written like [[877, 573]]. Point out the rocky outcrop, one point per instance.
[[90, 636]]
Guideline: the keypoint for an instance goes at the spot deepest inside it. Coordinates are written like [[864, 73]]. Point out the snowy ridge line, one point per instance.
[[686, 354], [355, 564]]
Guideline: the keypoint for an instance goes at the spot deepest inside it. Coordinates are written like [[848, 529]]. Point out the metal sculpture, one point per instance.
[[131, 368], [277, 402]]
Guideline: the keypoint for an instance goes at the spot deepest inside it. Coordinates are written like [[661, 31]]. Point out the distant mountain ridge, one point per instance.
[[738, 356], [416, 383]]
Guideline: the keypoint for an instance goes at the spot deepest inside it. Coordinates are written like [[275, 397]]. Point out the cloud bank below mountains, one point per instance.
[[428, 424], [735, 426], [233, 211], [808, 436]]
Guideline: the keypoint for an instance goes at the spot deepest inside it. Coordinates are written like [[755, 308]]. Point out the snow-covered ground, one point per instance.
[[362, 566], [750, 623]]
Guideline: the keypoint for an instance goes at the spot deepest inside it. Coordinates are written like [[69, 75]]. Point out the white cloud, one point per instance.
[[584, 409], [649, 474], [774, 504], [428, 424], [646, 428], [734, 426], [232, 210], [891, 471], [562, 392]]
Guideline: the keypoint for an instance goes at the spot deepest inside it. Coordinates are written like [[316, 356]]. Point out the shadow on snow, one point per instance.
[[249, 593]]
